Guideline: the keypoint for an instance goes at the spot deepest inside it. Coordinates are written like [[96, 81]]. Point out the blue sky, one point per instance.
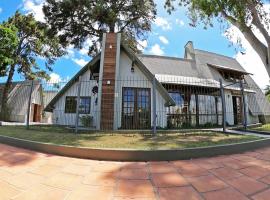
[[169, 35]]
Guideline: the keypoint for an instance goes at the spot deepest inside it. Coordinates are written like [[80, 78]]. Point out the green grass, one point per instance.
[[135, 140], [265, 127]]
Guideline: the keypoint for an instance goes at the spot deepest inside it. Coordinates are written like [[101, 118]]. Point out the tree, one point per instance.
[[35, 40], [246, 15], [267, 92], [79, 20], [8, 43]]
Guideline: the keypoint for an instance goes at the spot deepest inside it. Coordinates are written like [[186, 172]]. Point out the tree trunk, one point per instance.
[[4, 108], [261, 49], [112, 26]]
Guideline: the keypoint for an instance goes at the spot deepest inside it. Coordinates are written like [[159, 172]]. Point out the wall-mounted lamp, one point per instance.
[[132, 66], [110, 46]]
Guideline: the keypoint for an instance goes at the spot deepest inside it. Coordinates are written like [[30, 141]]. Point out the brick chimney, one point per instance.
[[108, 81]]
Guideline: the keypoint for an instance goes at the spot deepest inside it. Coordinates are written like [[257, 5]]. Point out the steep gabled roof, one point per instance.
[[49, 107], [169, 65], [132, 56]]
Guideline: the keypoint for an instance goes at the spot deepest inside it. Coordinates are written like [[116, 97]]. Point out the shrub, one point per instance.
[[86, 120]]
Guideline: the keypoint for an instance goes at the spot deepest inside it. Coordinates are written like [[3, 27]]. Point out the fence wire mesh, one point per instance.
[[132, 103]]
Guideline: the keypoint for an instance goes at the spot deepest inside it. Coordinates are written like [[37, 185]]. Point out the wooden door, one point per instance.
[[237, 110], [36, 112], [136, 108]]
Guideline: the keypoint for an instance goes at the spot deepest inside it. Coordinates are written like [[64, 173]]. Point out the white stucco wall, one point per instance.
[[59, 115]]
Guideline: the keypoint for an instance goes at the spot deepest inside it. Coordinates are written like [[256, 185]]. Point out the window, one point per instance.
[[85, 103], [71, 104], [136, 111], [179, 102]]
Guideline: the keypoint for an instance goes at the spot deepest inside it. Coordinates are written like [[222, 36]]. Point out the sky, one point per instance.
[[168, 37]]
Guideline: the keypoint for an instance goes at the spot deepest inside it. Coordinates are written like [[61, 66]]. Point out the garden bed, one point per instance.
[[121, 140]]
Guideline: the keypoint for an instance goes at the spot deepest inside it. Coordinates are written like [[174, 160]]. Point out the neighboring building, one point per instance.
[[117, 90], [48, 95], [18, 101]]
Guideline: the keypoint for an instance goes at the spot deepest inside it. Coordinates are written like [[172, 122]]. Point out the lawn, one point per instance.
[[135, 140], [265, 127]]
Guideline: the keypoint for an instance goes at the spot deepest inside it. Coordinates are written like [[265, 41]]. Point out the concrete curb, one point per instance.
[[135, 155]]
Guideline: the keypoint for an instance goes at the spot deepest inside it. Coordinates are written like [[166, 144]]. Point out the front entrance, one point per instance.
[[36, 112], [237, 109], [136, 108]]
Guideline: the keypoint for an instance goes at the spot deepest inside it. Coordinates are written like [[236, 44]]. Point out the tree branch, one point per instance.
[[258, 46]]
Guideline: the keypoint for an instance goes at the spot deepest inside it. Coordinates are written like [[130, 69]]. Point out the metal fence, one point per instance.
[[136, 104]]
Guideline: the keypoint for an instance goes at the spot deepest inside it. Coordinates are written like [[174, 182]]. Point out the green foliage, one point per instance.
[[86, 120], [80, 20], [34, 40], [246, 15], [205, 10], [8, 44]]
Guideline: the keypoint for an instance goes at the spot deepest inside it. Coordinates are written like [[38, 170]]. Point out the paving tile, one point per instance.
[[128, 198], [46, 170], [207, 183], [164, 167], [255, 172], [106, 167], [42, 192], [246, 185], [7, 191], [100, 179], [237, 164], [168, 180], [25, 180], [134, 165], [133, 174], [209, 165], [224, 194], [17, 168], [84, 192], [77, 169], [262, 195], [4, 175], [265, 179], [194, 172], [177, 193], [134, 189], [63, 180], [226, 173]]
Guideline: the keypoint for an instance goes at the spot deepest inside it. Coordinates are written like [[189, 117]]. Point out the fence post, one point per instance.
[[244, 105], [223, 105], [29, 105], [78, 105], [154, 107]]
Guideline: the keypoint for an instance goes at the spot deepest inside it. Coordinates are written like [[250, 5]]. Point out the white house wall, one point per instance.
[[19, 101], [59, 115], [138, 80]]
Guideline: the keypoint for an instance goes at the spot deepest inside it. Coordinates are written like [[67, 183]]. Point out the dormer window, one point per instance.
[[231, 77]]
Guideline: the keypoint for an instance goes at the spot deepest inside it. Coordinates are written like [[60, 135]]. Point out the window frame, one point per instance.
[[74, 107]]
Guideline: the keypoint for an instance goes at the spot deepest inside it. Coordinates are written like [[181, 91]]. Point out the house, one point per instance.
[[121, 90], [18, 101]]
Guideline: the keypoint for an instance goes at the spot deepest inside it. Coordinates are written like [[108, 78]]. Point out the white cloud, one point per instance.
[[34, 7], [1, 9], [85, 49], [163, 23], [55, 78], [163, 39], [156, 50], [80, 61], [142, 44], [250, 60], [179, 22]]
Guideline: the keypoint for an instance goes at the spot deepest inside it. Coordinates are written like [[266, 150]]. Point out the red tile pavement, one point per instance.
[[31, 175]]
